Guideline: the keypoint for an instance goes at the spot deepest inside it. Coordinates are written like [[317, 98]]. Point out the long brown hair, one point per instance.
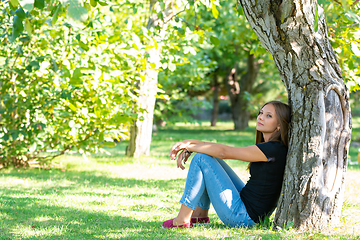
[[283, 115]]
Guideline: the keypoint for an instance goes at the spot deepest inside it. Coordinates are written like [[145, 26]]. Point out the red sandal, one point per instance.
[[200, 221], [170, 224]]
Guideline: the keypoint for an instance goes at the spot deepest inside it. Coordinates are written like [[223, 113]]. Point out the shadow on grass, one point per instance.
[[90, 179], [71, 223], [35, 213], [35, 210], [55, 222]]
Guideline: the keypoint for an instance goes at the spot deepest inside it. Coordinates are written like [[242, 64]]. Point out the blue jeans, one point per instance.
[[211, 180]]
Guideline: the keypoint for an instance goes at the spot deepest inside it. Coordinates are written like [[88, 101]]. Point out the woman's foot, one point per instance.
[[171, 223]]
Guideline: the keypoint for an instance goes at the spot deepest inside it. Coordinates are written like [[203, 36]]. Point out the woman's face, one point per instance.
[[267, 121]]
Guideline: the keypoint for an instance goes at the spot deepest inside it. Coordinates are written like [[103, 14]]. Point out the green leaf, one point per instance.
[[14, 134], [76, 12], [56, 14], [84, 46], [93, 3], [17, 24], [102, 3], [153, 65], [27, 4], [77, 73], [5, 137], [316, 19], [76, 77], [134, 9], [72, 107], [14, 3], [33, 65], [25, 39], [214, 40], [181, 31], [54, 65], [15, 34], [101, 137], [19, 50], [214, 11], [40, 4], [28, 27], [20, 13]]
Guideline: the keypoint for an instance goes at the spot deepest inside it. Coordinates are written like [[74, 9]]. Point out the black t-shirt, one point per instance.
[[261, 193]]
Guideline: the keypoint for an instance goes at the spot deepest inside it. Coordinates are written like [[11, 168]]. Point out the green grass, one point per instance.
[[114, 197], [355, 137]]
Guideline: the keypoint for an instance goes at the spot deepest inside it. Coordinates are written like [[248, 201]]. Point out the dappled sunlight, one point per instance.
[[121, 203], [92, 205], [350, 214], [118, 197]]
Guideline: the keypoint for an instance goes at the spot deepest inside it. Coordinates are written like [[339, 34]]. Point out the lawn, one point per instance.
[[114, 197]]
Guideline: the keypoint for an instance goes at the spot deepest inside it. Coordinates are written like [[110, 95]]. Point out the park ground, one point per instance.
[[114, 197]]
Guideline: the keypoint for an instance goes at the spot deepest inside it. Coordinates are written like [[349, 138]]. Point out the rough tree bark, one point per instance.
[[141, 131], [237, 91], [312, 193]]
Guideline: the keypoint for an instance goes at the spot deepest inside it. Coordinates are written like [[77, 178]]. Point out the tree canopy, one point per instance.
[[68, 74]]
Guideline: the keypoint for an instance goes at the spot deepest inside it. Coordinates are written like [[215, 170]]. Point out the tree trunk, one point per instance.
[[237, 92], [312, 193], [233, 89], [215, 111], [141, 131], [246, 85]]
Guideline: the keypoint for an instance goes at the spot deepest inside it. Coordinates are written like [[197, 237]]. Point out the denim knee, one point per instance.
[[201, 156]]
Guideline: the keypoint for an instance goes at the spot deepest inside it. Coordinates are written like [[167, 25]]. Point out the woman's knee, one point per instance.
[[201, 156]]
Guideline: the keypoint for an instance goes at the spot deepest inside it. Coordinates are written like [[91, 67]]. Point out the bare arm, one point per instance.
[[246, 154]]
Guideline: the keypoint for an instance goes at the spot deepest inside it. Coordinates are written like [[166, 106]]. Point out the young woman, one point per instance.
[[211, 180]]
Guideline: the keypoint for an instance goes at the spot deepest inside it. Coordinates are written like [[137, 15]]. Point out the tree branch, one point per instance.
[[354, 3], [177, 14]]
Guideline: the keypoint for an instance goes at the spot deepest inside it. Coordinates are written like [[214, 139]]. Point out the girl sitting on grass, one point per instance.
[[211, 180]]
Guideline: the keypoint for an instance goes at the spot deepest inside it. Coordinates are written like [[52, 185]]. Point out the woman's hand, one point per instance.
[[176, 148], [182, 155]]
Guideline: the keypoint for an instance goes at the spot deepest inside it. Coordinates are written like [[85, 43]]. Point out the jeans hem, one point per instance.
[[188, 205]]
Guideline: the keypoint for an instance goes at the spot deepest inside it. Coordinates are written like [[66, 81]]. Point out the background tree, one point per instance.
[[239, 89], [175, 37], [141, 130], [295, 34], [344, 33], [67, 71], [183, 85], [226, 40], [238, 54]]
